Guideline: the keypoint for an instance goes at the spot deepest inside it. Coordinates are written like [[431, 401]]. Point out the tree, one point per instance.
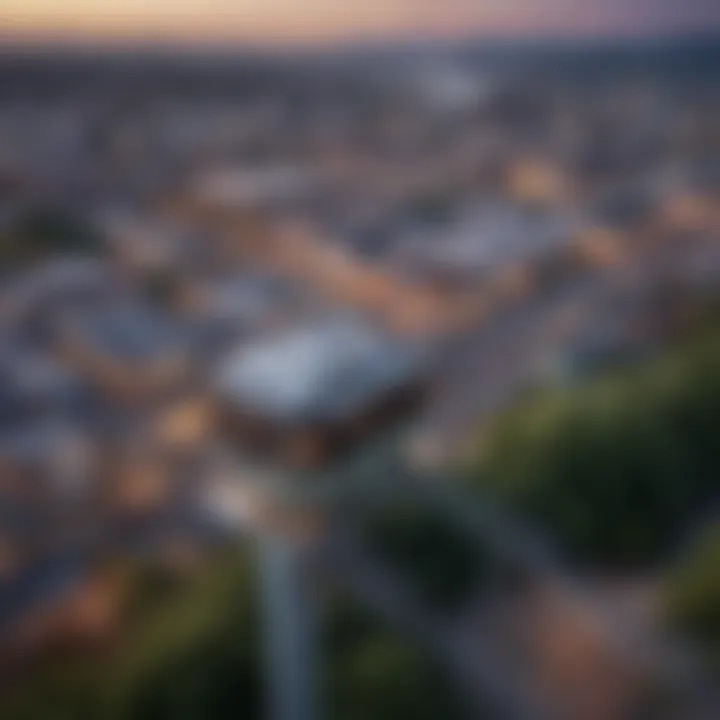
[[692, 595], [373, 673], [615, 468], [190, 652], [441, 563]]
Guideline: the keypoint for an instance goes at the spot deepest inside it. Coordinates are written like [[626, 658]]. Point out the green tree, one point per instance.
[[692, 596], [190, 652], [373, 673], [615, 468], [442, 563]]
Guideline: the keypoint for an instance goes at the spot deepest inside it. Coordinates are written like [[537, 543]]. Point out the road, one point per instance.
[[483, 681], [484, 370]]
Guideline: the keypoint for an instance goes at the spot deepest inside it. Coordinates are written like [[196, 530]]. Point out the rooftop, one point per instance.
[[486, 237], [323, 372], [126, 330]]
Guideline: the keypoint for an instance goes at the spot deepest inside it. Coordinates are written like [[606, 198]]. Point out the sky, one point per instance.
[[314, 21]]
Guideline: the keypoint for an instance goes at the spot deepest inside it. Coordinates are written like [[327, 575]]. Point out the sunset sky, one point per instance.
[[317, 20]]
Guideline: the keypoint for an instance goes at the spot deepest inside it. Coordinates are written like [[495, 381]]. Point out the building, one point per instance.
[[482, 241], [303, 396], [125, 348]]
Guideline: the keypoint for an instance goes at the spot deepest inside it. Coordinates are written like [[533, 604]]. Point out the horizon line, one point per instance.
[[71, 43]]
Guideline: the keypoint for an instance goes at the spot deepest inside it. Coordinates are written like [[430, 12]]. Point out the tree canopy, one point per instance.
[[693, 593], [189, 652], [616, 468], [371, 672]]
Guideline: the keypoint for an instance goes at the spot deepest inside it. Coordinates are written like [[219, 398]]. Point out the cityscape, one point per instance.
[[361, 383]]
